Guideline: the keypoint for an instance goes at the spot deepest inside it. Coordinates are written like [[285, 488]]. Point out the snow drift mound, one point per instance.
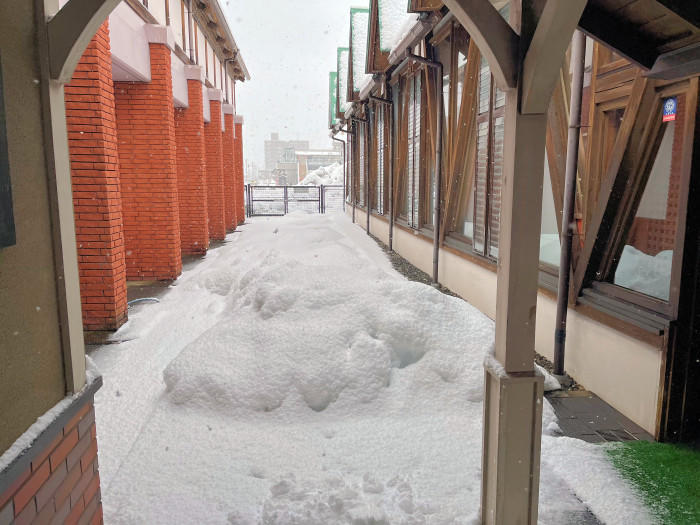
[[295, 336], [319, 342], [326, 175]]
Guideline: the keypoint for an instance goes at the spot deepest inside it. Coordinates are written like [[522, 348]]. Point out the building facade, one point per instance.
[[120, 151]]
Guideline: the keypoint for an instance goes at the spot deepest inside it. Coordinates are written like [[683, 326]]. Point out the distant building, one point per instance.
[[275, 149]]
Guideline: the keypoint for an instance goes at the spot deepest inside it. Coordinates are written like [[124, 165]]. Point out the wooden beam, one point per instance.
[[543, 58], [688, 10], [70, 32], [622, 36], [496, 39]]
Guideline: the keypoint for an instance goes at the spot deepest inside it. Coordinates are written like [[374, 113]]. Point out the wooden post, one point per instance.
[[513, 391], [525, 57]]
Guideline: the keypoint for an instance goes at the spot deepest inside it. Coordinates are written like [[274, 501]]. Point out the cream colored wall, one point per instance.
[[622, 370], [157, 9], [176, 20], [31, 360]]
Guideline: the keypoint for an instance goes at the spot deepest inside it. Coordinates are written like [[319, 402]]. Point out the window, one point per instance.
[[7, 223], [460, 92], [380, 159], [488, 173], [637, 249], [362, 164], [645, 263], [550, 246], [413, 159]]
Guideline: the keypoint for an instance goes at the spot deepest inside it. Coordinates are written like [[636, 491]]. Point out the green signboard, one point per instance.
[[332, 97]]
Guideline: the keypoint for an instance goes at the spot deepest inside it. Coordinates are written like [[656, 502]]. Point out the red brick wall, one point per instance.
[[147, 164], [62, 484], [238, 161], [229, 175], [192, 173], [92, 142], [215, 173]]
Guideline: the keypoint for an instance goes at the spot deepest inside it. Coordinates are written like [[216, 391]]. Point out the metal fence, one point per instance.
[[280, 200]]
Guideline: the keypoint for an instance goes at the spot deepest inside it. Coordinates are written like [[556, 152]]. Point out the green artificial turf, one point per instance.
[[668, 477]]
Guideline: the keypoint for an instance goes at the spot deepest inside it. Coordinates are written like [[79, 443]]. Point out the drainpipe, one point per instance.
[[388, 102], [438, 160], [578, 59], [344, 170], [190, 31]]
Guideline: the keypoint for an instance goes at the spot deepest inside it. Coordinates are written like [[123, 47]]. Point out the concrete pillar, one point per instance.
[[230, 208], [92, 142], [238, 168], [192, 167], [215, 167], [147, 164]]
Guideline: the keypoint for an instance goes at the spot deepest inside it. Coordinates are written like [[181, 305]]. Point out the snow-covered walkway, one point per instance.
[[293, 376]]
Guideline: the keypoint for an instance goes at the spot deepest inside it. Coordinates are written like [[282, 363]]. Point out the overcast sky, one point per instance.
[[289, 48]]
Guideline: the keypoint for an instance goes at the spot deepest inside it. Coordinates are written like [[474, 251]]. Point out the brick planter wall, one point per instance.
[[92, 142], [192, 173], [147, 164], [215, 173], [238, 161], [230, 207], [56, 480]]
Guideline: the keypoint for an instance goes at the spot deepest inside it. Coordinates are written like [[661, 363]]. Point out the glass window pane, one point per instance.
[[645, 264], [549, 233], [495, 186], [484, 86], [480, 186]]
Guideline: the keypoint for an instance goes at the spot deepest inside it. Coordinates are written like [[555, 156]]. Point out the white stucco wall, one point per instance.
[[131, 60], [176, 21], [180, 97], [622, 370], [205, 103], [157, 9]]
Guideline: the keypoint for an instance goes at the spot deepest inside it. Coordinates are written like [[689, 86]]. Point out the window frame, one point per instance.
[[624, 211]]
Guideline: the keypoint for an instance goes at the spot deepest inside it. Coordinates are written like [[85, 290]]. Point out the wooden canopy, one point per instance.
[[662, 36]]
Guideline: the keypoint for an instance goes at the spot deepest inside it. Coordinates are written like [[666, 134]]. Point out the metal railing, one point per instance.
[[280, 200]]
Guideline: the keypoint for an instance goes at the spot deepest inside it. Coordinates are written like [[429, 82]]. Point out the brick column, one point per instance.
[[229, 170], [92, 143], [215, 168], [192, 167], [238, 161], [147, 164]]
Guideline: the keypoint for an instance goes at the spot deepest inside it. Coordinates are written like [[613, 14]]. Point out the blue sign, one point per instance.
[[670, 108]]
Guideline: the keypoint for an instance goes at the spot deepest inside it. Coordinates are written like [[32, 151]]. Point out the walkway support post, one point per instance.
[[525, 56]]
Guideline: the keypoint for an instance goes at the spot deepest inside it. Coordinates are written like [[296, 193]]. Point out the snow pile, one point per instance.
[[359, 23], [325, 175], [394, 23], [293, 377], [644, 273]]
